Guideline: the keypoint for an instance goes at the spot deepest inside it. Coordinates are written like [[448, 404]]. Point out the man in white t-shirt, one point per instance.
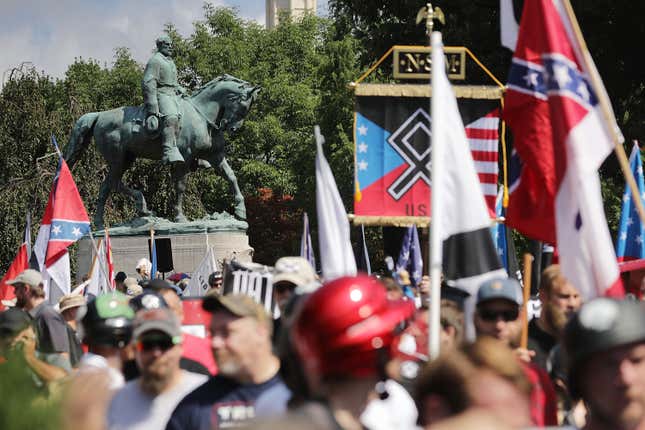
[[147, 402]]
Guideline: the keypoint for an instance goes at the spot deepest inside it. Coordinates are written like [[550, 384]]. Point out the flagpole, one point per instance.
[[606, 109], [152, 255], [434, 319]]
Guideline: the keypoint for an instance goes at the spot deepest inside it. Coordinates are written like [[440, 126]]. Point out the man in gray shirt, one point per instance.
[[51, 329], [147, 402]]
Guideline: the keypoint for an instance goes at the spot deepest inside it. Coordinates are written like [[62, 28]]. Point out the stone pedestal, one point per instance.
[[188, 242]]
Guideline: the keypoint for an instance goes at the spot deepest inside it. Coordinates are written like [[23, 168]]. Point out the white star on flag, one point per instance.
[[561, 75], [630, 221], [584, 92], [76, 231], [623, 236], [531, 79], [362, 130], [362, 165], [639, 170], [626, 197], [362, 147], [638, 239], [56, 230]]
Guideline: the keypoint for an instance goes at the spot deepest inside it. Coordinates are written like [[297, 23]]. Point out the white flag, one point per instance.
[[459, 213], [508, 24], [58, 278], [336, 254], [98, 282], [198, 284]]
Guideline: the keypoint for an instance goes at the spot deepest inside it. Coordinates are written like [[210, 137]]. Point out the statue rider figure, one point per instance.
[[162, 94]]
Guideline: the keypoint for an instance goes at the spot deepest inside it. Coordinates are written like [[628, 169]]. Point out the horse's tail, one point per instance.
[[80, 138]]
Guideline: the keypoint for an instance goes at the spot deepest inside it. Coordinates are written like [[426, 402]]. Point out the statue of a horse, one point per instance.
[[220, 105]]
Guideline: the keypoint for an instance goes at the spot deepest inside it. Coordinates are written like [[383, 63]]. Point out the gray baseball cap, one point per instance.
[[161, 319], [500, 288]]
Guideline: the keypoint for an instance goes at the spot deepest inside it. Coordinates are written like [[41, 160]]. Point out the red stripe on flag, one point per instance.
[[482, 133], [484, 156], [487, 178]]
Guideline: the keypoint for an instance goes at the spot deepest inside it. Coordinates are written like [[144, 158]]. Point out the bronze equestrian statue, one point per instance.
[[127, 133]]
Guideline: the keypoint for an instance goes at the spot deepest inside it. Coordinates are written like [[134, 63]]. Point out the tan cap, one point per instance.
[[240, 305], [295, 270], [71, 301], [28, 277]]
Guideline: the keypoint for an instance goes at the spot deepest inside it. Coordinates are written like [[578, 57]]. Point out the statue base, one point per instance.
[[189, 241]]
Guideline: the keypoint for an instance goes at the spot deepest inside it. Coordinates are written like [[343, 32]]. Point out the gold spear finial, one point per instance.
[[430, 14]]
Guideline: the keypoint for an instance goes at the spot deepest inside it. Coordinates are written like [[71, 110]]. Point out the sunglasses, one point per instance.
[[490, 315], [152, 343]]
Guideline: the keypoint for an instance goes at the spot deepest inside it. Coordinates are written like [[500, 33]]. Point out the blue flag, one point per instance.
[[153, 259], [631, 233], [499, 231], [410, 257]]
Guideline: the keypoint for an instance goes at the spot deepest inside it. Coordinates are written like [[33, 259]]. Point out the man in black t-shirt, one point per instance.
[[241, 344], [560, 300]]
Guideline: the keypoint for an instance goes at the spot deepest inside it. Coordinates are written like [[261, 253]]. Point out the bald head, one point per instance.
[[174, 302]]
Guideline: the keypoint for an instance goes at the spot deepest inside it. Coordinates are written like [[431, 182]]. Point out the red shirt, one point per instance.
[[544, 407]]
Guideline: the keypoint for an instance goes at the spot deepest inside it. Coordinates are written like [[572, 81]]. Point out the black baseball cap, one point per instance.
[[13, 321]]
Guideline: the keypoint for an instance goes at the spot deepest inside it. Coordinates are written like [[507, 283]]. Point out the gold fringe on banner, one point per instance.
[[401, 221], [414, 90], [390, 221]]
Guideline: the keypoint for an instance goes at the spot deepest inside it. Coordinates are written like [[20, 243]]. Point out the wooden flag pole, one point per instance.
[[606, 109], [526, 291]]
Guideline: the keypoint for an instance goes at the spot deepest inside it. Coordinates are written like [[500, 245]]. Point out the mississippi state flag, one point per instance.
[[562, 140], [64, 222], [392, 138], [631, 233]]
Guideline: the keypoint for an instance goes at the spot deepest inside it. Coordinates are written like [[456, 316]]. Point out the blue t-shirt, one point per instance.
[[219, 403]]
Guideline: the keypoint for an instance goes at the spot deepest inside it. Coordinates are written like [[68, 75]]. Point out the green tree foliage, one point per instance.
[[303, 69]]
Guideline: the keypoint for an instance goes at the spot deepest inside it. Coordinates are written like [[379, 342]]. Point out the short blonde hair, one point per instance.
[[551, 276]]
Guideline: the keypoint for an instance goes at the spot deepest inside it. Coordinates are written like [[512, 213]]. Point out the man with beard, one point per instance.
[[241, 343], [560, 300], [605, 344], [146, 402]]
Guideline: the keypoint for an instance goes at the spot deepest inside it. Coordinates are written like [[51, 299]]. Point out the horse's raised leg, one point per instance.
[[104, 193], [179, 172], [227, 172]]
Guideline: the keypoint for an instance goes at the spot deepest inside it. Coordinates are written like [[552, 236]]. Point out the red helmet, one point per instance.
[[343, 324]]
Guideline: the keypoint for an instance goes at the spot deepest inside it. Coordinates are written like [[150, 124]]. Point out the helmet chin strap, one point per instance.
[[382, 359]]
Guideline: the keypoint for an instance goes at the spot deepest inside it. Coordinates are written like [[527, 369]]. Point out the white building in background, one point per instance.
[[296, 9]]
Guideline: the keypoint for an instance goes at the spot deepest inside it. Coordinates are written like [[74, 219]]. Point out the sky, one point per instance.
[[50, 34]]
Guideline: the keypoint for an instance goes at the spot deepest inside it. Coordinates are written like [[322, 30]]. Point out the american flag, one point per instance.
[[483, 138]]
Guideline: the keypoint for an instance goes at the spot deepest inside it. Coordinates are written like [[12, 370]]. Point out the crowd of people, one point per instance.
[[350, 353]]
